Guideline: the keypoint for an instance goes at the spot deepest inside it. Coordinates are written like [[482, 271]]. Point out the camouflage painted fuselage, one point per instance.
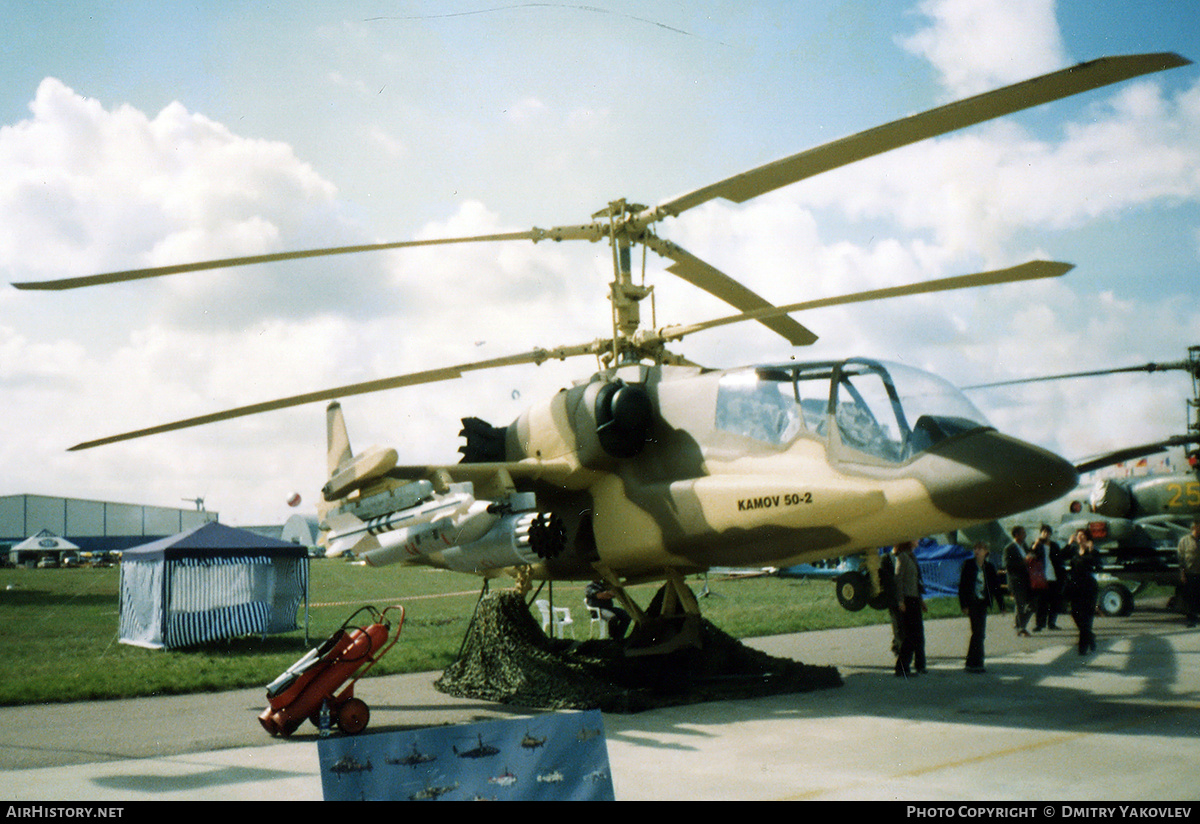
[[763, 466]]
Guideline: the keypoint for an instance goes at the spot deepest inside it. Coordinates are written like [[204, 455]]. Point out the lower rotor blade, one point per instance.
[[1026, 271], [712, 280], [412, 379], [160, 271]]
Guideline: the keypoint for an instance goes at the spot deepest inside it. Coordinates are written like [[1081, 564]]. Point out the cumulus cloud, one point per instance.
[[85, 186], [87, 189], [977, 45]]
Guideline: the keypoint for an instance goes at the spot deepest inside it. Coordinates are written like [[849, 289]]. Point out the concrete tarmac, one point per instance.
[[1042, 724]]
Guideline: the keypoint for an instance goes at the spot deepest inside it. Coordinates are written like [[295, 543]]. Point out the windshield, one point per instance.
[[884, 410]]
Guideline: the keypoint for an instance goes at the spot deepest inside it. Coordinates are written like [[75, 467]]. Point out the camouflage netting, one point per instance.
[[508, 659]]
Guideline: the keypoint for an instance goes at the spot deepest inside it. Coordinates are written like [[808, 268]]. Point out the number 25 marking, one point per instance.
[[1191, 490]]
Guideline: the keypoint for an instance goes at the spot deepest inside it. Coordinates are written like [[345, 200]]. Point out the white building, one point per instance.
[[93, 526]]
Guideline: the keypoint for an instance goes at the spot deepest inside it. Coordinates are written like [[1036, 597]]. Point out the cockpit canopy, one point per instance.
[[881, 411]]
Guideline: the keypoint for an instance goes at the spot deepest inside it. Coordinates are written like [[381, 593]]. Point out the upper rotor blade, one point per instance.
[[1026, 94], [160, 271], [715, 282], [411, 379], [1147, 367], [1026, 271]]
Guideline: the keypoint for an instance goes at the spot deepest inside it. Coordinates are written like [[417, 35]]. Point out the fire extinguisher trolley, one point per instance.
[[308, 687]]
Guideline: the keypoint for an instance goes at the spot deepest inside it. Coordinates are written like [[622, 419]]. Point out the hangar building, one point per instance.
[[93, 526]]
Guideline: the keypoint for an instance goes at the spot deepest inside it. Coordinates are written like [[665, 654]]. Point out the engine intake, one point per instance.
[[624, 418]]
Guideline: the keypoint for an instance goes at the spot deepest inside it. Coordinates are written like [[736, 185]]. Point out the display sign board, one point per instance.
[[551, 757]]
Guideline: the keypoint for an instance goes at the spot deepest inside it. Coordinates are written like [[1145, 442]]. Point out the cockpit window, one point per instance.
[[868, 413], [887, 411], [895, 412]]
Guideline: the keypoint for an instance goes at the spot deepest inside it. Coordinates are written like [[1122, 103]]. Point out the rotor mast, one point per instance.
[[625, 295]]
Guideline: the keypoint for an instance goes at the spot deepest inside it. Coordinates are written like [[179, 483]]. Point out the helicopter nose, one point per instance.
[[988, 475]]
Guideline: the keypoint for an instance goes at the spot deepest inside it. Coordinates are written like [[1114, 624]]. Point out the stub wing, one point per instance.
[[445, 525], [466, 517], [497, 478]]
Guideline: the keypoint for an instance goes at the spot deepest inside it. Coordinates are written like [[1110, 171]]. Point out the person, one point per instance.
[[1017, 570], [978, 590], [1082, 589], [1189, 572], [911, 659], [599, 596], [1048, 598], [887, 586]]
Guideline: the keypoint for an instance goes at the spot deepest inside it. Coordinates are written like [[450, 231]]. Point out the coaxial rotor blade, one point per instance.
[[412, 379], [715, 282], [1146, 367], [1132, 452], [968, 112], [1032, 270], [160, 271]]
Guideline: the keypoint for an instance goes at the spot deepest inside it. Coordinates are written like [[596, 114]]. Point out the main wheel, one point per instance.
[[852, 589], [352, 717]]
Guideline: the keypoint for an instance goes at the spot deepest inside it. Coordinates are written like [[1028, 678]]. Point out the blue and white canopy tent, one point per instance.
[[208, 583]]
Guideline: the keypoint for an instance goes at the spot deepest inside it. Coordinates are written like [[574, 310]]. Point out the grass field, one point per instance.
[[58, 627]]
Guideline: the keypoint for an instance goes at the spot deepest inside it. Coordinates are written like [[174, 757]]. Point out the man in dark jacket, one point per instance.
[[911, 658], [978, 589], [1048, 600], [1189, 572], [600, 597], [1017, 570]]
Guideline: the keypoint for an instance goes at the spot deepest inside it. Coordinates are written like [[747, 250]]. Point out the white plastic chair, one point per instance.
[[598, 627], [561, 618]]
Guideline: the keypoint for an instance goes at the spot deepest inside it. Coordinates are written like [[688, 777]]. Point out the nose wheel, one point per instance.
[[853, 590]]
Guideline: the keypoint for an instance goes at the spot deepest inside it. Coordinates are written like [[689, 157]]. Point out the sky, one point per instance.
[[140, 134]]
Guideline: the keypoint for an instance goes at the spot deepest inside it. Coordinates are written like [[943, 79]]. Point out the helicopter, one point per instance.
[[1135, 522], [655, 467]]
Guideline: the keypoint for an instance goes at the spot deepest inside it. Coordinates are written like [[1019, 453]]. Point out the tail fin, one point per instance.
[[339, 454], [337, 439], [349, 472]]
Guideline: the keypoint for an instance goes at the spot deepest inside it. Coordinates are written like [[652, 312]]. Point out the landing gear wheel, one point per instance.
[[1116, 600], [853, 590], [352, 717]]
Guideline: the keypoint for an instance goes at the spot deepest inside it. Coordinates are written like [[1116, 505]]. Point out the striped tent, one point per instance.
[[208, 583]]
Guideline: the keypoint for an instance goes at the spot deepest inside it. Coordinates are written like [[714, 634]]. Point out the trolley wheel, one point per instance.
[[352, 717], [287, 728]]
